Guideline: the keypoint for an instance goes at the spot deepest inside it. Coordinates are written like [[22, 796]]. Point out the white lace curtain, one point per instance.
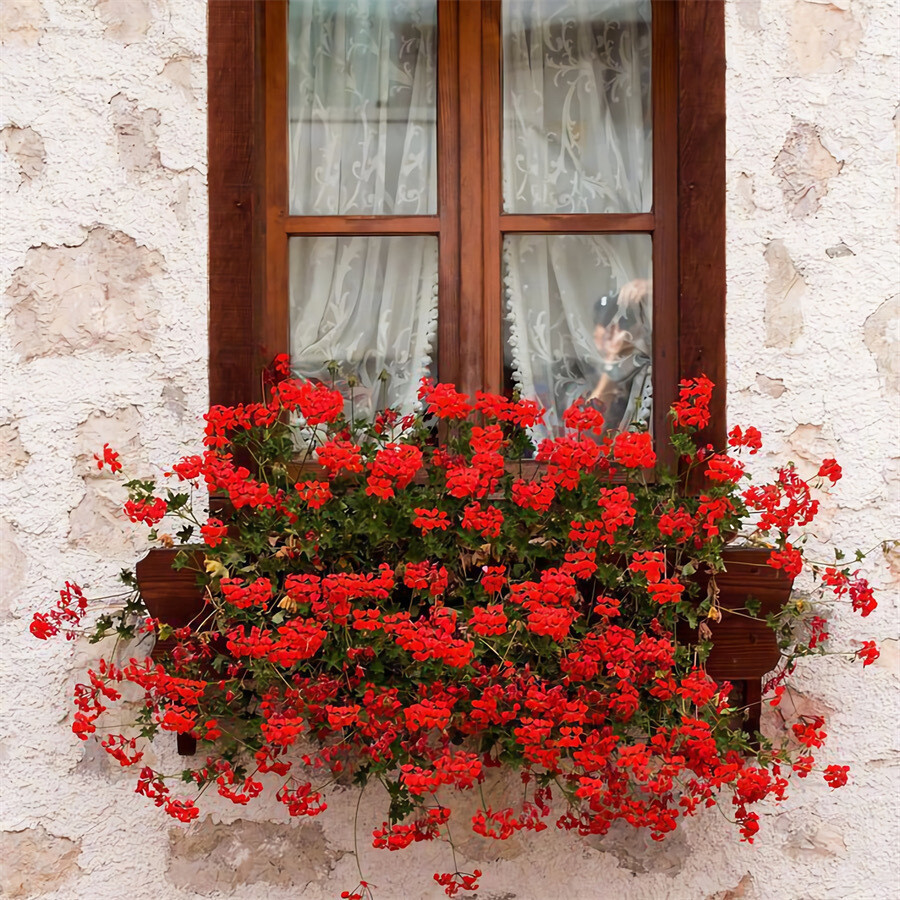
[[577, 139], [362, 78], [368, 305]]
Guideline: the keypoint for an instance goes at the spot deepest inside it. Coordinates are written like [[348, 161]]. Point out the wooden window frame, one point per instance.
[[250, 225]]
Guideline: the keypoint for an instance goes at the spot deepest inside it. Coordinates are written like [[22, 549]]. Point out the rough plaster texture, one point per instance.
[[103, 294]]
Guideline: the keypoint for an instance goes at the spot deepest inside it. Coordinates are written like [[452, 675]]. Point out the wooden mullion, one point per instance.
[[666, 335], [448, 361], [492, 119], [336, 225], [274, 328], [578, 223], [701, 200], [232, 116], [471, 225]]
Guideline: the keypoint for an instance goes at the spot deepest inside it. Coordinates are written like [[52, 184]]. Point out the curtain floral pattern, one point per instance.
[[361, 106]]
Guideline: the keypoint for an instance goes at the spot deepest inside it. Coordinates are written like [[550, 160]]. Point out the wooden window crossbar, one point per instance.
[[386, 225]]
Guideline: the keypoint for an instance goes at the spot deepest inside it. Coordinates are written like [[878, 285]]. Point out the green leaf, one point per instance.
[[401, 803]]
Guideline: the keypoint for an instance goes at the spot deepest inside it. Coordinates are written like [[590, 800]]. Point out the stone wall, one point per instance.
[[103, 293]]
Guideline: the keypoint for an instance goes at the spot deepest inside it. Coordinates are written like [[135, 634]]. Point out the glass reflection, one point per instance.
[[579, 324]]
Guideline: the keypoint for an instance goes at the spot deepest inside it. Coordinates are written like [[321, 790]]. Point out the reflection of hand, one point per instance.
[[634, 291]]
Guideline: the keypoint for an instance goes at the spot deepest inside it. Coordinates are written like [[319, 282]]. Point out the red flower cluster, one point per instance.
[[316, 403], [213, 532], [721, 467], [783, 505], [454, 882], [634, 450], [868, 653], [315, 494], [616, 513], [461, 770], [749, 438], [394, 467], [427, 714], [522, 413], [415, 599], [537, 495], [836, 776], [676, 522], [862, 597], [488, 620], [444, 401], [691, 409], [430, 638], [486, 521], [338, 456], [493, 578], [817, 633], [426, 576], [68, 612], [830, 470], [788, 558], [300, 799], [810, 733], [567, 458], [398, 837], [146, 511], [580, 417], [109, 458], [242, 595], [151, 785], [429, 519]]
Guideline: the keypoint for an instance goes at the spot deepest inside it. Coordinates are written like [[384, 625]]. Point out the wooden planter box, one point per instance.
[[744, 650], [173, 597]]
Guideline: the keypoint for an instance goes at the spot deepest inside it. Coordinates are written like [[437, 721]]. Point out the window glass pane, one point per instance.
[[576, 106], [579, 323], [367, 306], [361, 107]]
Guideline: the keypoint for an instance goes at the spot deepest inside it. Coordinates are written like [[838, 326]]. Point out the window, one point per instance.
[[436, 214]]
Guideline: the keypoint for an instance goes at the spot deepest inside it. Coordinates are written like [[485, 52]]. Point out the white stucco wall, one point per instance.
[[103, 293]]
